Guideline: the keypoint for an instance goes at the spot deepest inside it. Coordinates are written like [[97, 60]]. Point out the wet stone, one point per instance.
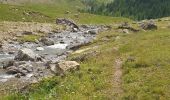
[[8, 64], [26, 54]]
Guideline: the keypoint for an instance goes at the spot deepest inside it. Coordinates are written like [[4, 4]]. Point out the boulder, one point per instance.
[[67, 22], [12, 70], [47, 41], [150, 25], [26, 54], [64, 66], [26, 68], [20, 70]]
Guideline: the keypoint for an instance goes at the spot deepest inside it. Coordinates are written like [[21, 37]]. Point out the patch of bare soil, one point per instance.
[[11, 29]]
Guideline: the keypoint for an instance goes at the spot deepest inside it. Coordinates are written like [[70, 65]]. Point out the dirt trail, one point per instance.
[[117, 77]]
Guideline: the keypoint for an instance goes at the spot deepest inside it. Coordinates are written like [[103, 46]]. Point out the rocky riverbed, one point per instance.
[[32, 61]]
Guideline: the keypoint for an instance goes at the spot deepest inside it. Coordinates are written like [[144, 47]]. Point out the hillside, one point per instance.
[[48, 12], [26, 1], [135, 9]]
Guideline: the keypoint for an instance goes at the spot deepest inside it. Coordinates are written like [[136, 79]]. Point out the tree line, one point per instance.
[[135, 9]]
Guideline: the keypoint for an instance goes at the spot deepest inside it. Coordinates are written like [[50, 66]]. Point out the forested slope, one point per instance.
[[136, 9]]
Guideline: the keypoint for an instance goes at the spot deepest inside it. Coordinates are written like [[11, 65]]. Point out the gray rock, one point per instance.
[[67, 22], [18, 75], [8, 64], [21, 70], [12, 70], [150, 25], [26, 68], [52, 67], [47, 41], [18, 63], [26, 54], [64, 66]]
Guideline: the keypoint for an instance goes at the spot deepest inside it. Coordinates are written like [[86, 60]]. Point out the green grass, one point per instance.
[[49, 12], [145, 70], [28, 38], [149, 73], [146, 55], [16, 13]]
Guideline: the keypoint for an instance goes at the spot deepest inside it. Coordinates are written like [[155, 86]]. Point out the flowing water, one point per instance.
[[64, 41]]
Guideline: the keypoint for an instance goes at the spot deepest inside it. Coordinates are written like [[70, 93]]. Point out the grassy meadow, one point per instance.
[[47, 13], [145, 70]]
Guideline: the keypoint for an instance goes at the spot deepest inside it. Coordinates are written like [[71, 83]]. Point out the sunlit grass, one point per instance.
[[29, 38], [148, 73], [49, 13]]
